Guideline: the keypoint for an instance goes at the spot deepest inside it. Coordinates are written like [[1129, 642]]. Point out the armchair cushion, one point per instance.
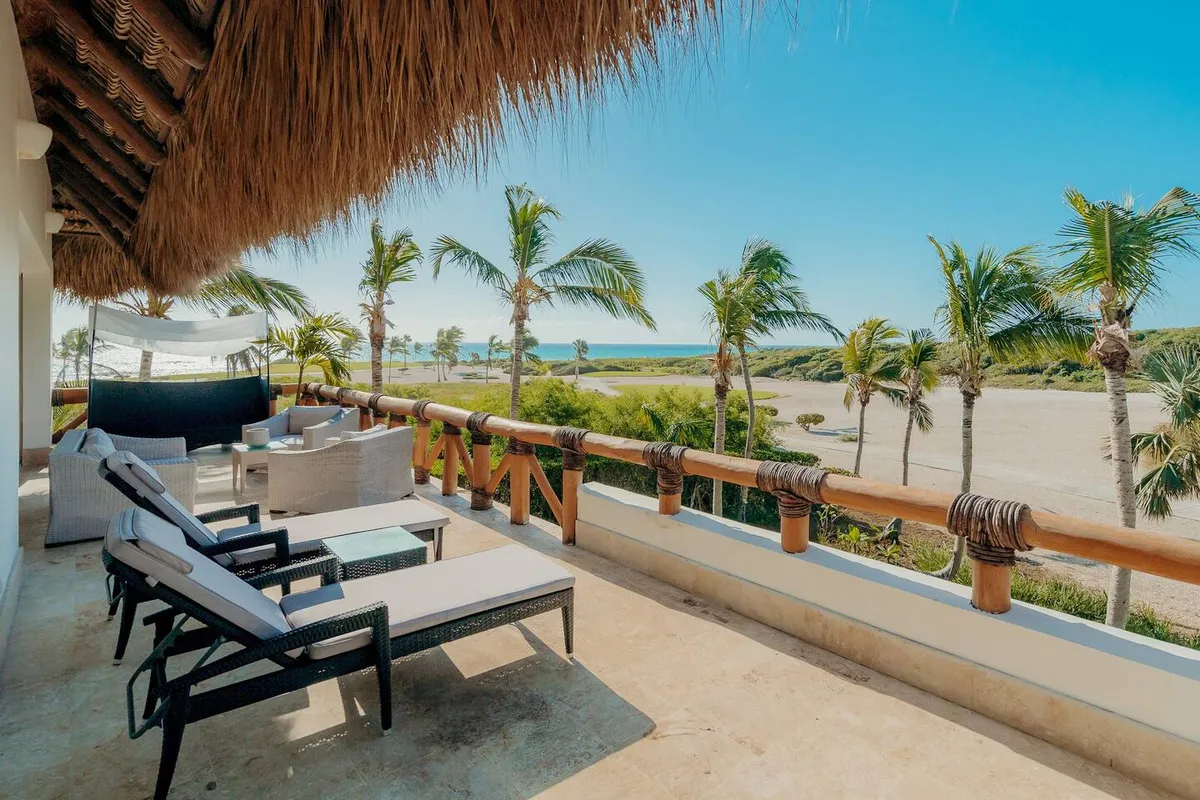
[[301, 417], [97, 444]]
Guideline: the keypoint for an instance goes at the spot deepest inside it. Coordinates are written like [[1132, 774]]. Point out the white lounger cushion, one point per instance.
[[142, 478], [425, 596], [204, 582], [305, 533]]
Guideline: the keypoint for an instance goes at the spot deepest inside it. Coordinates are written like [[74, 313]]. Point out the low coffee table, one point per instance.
[[245, 457], [373, 552]]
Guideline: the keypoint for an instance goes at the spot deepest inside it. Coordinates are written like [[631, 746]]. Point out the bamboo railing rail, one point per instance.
[[993, 528]]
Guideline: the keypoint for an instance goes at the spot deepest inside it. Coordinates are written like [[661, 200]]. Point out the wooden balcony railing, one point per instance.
[[994, 529]]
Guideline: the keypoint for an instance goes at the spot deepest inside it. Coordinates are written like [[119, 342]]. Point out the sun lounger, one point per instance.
[[313, 635], [249, 549]]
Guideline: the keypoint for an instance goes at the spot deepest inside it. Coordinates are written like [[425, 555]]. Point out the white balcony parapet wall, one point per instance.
[[1112, 696]]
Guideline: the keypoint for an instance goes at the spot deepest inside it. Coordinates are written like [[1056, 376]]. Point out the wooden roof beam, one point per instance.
[[71, 120], [102, 226], [99, 169], [160, 103], [86, 187], [68, 75], [178, 36]]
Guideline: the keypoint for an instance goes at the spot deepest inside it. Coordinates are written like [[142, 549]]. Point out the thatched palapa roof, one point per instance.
[[187, 131]]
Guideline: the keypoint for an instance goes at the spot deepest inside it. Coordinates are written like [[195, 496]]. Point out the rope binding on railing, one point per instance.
[[991, 527], [451, 430], [666, 459], [570, 441], [341, 395], [475, 423], [795, 486], [373, 401], [519, 448], [313, 390], [419, 412]]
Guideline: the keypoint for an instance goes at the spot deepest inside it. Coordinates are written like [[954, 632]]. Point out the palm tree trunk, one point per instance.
[[299, 381], [720, 393], [487, 370], [750, 412], [912, 416], [577, 370], [1122, 465], [518, 354], [862, 426], [968, 460], [376, 363], [147, 363]]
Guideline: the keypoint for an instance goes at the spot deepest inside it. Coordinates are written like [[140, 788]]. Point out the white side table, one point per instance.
[[245, 457]]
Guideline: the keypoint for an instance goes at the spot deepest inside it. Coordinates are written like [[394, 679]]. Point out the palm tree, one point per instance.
[[447, 348], [777, 304], [404, 344], [391, 261], [315, 342], [352, 341], [918, 378], [1118, 259], [581, 351], [495, 345], [998, 306], [671, 427], [597, 273], [869, 367], [240, 286], [1171, 452], [72, 348], [729, 311], [417, 349], [394, 345]]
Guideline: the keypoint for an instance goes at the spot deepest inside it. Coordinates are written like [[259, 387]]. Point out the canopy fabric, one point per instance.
[[182, 337]]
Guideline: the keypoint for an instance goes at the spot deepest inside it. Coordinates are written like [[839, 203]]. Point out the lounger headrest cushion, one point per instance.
[[142, 478], [125, 463], [160, 540]]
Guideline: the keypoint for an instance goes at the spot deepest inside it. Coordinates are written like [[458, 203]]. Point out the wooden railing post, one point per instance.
[[518, 481], [570, 441], [666, 460], [365, 419], [421, 444], [450, 463], [481, 461], [992, 529], [796, 487], [397, 420]]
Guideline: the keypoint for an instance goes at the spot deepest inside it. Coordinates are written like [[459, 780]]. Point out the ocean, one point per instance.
[[125, 361]]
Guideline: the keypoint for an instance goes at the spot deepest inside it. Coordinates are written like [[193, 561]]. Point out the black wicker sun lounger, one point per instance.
[[250, 549], [311, 636]]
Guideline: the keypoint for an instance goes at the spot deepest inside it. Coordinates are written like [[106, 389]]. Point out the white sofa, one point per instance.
[[82, 503], [374, 466], [307, 425]]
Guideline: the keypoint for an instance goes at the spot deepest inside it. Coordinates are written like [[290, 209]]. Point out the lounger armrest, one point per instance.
[[250, 511], [325, 568], [276, 536], [374, 617]]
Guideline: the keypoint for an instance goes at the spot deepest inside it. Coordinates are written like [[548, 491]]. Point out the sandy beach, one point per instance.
[[1040, 446]]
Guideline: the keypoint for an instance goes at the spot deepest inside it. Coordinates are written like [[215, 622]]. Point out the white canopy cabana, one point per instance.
[[182, 337]]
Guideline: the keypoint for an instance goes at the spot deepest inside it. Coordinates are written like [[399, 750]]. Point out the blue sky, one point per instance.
[[961, 119]]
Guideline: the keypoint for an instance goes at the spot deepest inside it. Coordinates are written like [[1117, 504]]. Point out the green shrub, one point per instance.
[[808, 420], [847, 437], [770, 411]]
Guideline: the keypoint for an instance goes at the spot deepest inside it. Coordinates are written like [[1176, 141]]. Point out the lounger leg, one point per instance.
[[129, 606], [172, 727], [437, 544], [115, 601], [383, 669], [568, 614]]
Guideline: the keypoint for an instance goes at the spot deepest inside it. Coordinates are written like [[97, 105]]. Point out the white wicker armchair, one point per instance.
[[82, 503], [310, 424], [373, 467]]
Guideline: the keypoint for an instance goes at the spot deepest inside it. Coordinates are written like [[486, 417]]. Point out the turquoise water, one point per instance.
[[564, 351]]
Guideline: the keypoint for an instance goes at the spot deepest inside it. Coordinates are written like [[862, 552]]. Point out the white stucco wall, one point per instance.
[[24, 248], [1152, 683]]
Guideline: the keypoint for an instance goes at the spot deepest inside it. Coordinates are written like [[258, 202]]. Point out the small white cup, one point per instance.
[[257, 437]]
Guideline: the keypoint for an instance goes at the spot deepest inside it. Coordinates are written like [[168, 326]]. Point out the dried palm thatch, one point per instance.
[[309, 111]]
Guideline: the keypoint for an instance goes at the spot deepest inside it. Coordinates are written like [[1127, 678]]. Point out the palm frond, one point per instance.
[[447, 250], [243, 286]]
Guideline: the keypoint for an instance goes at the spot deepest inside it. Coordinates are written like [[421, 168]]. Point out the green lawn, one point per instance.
[[655, 388]]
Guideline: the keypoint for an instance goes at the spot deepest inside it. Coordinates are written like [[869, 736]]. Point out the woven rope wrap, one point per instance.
[[991, 527], [451, 430], [419, 412], [56, 397], [314, 391], [373, 401], [519, 448], [395, 418], [667, 460], [475, 424], [795, 486], [480, 499], [341, 394], [570, 441]]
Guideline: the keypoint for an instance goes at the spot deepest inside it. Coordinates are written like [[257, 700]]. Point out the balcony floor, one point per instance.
[[667, 696]]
